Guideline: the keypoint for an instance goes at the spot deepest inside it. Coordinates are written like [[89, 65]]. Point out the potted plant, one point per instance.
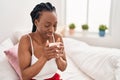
[[85, 27], [71, 28], [102, 29]]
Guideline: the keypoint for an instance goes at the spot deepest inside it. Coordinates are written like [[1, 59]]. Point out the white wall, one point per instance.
[[15, 15], [112, 39]]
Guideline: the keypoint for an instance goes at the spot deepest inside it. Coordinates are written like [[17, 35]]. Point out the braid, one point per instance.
[[36, 12]]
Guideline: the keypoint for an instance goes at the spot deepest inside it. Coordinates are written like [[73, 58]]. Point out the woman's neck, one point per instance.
[[39, 38], [42, 38]]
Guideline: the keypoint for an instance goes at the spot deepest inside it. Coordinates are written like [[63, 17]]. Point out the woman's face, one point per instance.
[[46, 24]]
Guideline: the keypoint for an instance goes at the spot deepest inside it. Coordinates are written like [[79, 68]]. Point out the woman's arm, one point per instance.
[[61, 60], [28, 71]]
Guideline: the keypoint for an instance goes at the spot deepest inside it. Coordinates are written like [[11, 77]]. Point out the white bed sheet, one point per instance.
[[72, 72], [98, 62]]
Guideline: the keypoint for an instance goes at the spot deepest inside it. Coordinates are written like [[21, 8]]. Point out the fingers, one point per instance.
[[54, 51], [53, 54], [59, 55], [47, 43], [50, 53], [58, 40]]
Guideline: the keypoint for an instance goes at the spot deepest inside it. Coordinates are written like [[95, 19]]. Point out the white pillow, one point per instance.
[[117, 73], [18, 34], [6, 71], [99, 63], [6, 44], [72, 72]]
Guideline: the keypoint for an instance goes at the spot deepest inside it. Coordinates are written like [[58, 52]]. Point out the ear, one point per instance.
[[36, 22]]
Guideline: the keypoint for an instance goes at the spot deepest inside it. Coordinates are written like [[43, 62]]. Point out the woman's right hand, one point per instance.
[[50, 52]]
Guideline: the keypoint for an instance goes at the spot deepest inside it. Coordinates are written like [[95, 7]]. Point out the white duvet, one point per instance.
[[85, 62], [73, 72], [97, 62]]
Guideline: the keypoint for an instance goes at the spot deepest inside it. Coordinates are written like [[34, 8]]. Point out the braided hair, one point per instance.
[[36, 12]]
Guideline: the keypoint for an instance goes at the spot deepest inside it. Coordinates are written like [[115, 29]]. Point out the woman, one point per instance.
[[37, 59]]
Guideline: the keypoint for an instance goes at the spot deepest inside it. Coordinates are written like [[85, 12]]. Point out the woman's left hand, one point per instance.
[[59, 50]]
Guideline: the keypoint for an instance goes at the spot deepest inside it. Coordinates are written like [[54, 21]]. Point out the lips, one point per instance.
[[49, 34]]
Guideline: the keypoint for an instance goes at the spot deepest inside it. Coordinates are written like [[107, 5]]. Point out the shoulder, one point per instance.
[[26, 37], [25, 40]]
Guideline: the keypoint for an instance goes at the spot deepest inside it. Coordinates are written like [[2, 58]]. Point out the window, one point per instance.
[[92, 12]]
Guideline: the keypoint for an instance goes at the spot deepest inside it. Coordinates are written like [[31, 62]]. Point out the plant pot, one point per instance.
[[71, 31], [101, 33], [84, 32]]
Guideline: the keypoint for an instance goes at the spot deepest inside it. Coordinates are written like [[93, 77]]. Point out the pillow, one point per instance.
[[12, 55], [74, 70], [6, 71], [18, 34], [6, 44], [98, 66], [97, 62]]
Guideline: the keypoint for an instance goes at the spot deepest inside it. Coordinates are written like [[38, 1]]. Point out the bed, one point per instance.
[[85, 62]]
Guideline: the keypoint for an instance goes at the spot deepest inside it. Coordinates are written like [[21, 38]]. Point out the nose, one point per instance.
[[51, 29]]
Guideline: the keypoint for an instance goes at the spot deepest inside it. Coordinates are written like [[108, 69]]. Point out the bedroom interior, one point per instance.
[[90, 57]]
